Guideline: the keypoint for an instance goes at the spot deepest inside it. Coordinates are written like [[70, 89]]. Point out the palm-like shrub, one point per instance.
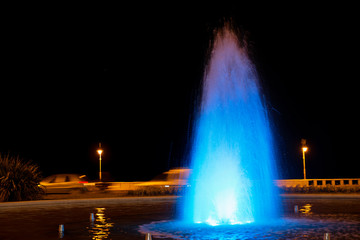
[[19, 179]]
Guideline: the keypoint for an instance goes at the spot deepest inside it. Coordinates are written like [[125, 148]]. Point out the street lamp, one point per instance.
[[100, 152], [304, 149]]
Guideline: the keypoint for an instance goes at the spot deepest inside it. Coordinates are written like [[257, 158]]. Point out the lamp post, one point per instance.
[[100, 152], [304, 149]]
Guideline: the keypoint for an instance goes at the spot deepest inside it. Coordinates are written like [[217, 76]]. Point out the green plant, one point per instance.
[[19, 179]]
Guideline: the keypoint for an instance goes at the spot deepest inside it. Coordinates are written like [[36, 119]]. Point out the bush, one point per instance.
[[19, 179], [157, 191]]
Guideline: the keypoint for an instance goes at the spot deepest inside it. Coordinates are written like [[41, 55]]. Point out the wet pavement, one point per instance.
[[122, 218]]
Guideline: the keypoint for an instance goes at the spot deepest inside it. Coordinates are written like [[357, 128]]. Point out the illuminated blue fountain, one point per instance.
[[232, 193], [233, 155]]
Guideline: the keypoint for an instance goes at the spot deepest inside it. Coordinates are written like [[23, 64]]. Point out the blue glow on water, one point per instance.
[[233, 153], [286, 228]]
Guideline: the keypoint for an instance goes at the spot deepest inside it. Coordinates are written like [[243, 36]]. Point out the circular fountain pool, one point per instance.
[[317, 215], [286, 228]]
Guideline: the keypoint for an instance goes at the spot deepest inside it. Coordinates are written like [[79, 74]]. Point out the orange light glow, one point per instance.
[[304, 149], [99, 151]]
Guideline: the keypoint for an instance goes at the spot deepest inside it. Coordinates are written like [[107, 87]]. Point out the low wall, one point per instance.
[[336, 182]]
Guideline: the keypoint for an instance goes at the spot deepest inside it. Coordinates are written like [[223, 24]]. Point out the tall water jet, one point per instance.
[[233, 155]]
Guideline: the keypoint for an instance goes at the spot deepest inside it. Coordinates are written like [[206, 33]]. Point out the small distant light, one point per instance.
[[212, 222], [327, 236], [304, 149], [233, 222], [167, 186], [99, 151]]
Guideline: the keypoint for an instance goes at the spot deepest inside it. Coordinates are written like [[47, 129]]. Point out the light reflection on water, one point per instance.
[[306, 209], [100, 226]]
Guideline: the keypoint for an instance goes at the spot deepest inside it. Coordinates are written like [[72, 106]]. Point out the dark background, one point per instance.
[[72, 77]]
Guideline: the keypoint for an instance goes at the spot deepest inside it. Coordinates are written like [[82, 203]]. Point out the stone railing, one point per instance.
[[336, 182]]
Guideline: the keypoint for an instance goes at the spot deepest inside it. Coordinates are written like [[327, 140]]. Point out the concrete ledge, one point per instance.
[[64, 202]]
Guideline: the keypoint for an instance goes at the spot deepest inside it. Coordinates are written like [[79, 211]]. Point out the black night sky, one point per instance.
[[130, 79]]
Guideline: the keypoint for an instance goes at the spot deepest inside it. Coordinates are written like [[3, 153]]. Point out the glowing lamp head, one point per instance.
[[304, 149], [99, 151]]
